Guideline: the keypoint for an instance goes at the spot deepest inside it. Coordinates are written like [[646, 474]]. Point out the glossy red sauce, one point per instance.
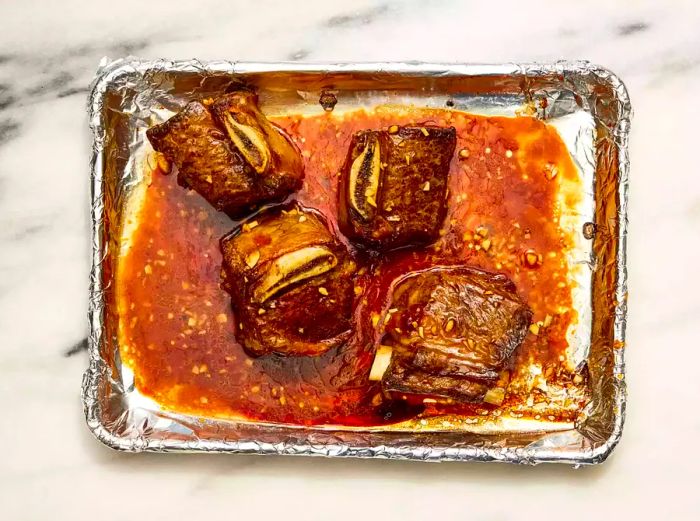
[[176, 324]]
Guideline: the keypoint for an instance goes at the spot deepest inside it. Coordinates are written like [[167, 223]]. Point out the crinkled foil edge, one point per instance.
[[99, 371]]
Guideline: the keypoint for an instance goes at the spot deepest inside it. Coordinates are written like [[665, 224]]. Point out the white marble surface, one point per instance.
[[52, 468]]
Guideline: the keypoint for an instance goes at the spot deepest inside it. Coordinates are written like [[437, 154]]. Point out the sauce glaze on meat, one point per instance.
[[451, 330], [229, 152], [291, 282], [393, 186]]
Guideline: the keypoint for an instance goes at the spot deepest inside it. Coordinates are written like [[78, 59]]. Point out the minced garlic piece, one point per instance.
[[495, 396]]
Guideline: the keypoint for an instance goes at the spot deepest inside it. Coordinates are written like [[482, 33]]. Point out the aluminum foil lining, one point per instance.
[[128, 94]]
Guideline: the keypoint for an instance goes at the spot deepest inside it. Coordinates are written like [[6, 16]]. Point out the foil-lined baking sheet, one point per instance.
[[589, 107]]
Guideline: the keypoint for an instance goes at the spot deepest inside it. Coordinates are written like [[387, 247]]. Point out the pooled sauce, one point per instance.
[[176, 325]]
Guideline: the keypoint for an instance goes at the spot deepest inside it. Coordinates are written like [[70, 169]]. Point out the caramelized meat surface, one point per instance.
[[230, 153], [393, 190], [291, 284], [403, 379], [451, 330]]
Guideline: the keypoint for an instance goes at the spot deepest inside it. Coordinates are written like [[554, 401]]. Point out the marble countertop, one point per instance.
[[52, 468]]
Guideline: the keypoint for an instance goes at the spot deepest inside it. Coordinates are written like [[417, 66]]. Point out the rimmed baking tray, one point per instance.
[[590, 104]]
